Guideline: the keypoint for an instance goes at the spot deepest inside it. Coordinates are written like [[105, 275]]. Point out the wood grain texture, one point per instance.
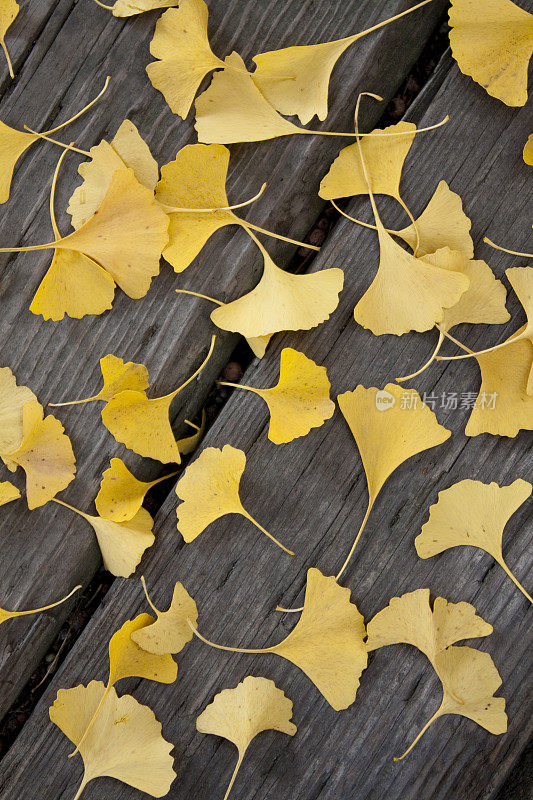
[[312, 494], [45, 553]]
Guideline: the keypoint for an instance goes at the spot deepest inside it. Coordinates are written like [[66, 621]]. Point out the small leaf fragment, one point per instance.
[[171, 630], [8, 493]]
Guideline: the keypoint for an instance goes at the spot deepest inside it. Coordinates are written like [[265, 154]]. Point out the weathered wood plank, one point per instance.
[[48, 551], [312, 494]]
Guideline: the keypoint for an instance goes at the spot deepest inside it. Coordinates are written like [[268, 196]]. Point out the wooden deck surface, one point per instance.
[[311, 493]]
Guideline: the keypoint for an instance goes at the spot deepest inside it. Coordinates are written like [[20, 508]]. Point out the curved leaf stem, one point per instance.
[[8, 58], [437, 714], [83, 110], [260, 527], [371, 501], [234, 775], [45, 608], [515, 580], [224, 647], [430, 360], [505, 250]]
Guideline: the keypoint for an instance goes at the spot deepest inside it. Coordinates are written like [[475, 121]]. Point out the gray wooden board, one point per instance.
[[312, 494], [45, 553]]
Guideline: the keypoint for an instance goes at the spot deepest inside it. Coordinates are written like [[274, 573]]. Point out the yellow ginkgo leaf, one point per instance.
[[180, 43], [12, 400], [188, 444], [121, 494], [122, 544], [128, 660], [240, 714], [45, 454], [473, 514], [143, 424], [409, 619], [384, 157], [326, 643], [6, 615], [521, 279], [389, 426], [408, 293], [13, 144], [493, 43], [295, 80], [124, 743], [443, 223], [209, 489], [528, 151], [504, 406], [74, 285], [300, 400], [170, 632], [282, 301], [126, 236], [483, 301], [118, 376], [8, 493], [192, 191], [126, 150], [128, 8], [8, 11], [469, 679]]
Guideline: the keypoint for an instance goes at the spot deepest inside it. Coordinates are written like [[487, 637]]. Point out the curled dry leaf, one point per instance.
[[126, 150], [493, 43], [125, 741], [45, 454], [389, 426], [121, 494], [8, 493], [299, 402], [504, 376], [282, 301], [326, 643], [122, 544], [129, 8], [8, 11], [118, 376], [171, 630], [469, 677], [240, 714], [209, 489], [295, 80], [6, 615], [128, 660], [473, 514], [143, 424], [185, 57]]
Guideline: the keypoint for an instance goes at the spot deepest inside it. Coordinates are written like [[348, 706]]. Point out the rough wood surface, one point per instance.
[[75, 45], [312, 494]]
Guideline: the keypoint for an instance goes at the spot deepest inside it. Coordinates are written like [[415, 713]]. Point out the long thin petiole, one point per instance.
[[224, 647], [62, 503], [201, 296], [8, 59], [413, 222], [430, 360], [248, 225], [389, 20], [239, 386], [260, 527], [76, 402], [81, 787], [454, 340], [53, 195], [505, 250], [395, 133], [354, 545], [45, 608], [197, 371], [515, 580], [80, 113], [102, 5], [235, 771], [435, 716], [148, 596], [483, 352], [56, 141], [180, 210], [164, 477]]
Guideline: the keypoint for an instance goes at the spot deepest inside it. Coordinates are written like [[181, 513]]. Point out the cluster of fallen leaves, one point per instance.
[[126, 214]]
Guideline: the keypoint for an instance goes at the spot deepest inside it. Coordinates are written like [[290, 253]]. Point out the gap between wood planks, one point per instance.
[[421, 73]]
